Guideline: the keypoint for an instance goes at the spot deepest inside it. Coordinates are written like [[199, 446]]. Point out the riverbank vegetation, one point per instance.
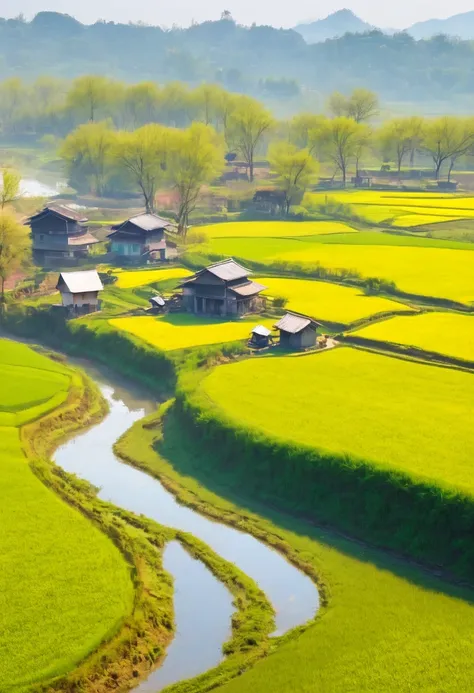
[[65, 587]]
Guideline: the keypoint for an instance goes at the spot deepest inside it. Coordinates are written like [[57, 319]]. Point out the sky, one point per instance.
[[395, 15]]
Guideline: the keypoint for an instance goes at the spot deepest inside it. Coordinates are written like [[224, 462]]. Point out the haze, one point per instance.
[[183, 12]]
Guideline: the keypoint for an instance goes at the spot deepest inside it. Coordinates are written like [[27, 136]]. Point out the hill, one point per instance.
[[459, 25], [333, 26]]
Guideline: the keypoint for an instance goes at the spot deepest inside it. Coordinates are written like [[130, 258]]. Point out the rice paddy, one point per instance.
[[131, 279], [328, 302], [184, 331], [274, 229], [441, 272], [402, 209], [64, 586], [449, 334], [389, 411]]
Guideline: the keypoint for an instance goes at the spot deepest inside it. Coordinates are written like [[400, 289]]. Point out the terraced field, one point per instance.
[[328, 302], [274, 229], [130, 279], [442, 272], [64, 586], [183, 331], [449, 334], [386, 410]]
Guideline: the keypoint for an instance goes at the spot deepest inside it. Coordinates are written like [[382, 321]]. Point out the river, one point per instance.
[[203, 605]]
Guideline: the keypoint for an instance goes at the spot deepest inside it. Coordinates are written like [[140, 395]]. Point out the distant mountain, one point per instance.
[[335, 25], [460, 25]]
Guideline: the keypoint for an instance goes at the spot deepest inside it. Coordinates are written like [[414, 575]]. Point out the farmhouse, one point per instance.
[[297, 331], [59, 234], [80, 291], [260, 337], [140, 238], [222, 289]]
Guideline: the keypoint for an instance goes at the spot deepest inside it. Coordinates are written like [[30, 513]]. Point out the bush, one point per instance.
[[280, 301]]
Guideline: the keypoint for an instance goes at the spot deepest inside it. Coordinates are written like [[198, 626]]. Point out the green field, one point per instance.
[[386, 410], [450, 334], [275, 229], [183, 331], [328, 302], [64, 586], [440, 272], [130, 279], [401, 209]]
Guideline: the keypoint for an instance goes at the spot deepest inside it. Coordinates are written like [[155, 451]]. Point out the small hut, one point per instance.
[[158, 304], [80, 291], [297, 331], [260, 337]]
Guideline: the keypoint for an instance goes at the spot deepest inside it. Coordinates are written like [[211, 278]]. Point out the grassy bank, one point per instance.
[[356, 457], [385, 625]]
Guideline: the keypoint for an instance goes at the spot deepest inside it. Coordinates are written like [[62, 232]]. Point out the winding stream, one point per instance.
[[203, 606]]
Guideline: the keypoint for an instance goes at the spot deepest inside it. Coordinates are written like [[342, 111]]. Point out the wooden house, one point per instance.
[[297, 331], [157, 304], [260, 337], [140, 239], [269, 201], [59, 235], [222, 289], [80, 291]]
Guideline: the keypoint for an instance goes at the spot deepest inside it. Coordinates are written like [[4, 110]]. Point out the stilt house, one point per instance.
[[141, 238], [222, 289], [80, 291], [297, 331], [59, 235]]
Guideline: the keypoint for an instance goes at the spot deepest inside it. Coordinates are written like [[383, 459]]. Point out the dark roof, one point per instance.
[[83, 239], [145, 222], [227, 270], [262, 331], [80, 282], [247, 288], [294, 323], [61, 211]]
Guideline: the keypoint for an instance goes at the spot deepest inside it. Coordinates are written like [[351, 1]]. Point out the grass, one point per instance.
[[183, 331], [130, 279], [328, 302], [408, 631], [64, 586], [438, 272], [274, 229], [445, 333], [388, 411]]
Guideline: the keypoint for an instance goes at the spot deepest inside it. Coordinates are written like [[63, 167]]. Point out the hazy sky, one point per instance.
[[384, 14]]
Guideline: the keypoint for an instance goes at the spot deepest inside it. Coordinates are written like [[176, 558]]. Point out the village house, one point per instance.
[[80, 291], [222, 289], [297, 331], [59, 235], [140, 239], [260, 337]]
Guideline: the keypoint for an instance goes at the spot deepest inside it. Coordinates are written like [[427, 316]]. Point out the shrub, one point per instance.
[[280, 301]]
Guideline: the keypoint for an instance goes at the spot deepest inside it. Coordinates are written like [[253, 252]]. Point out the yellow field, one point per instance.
[[130, 279], [330, 302], [183, 331], [445, 333], [275, 229], [439, 272]]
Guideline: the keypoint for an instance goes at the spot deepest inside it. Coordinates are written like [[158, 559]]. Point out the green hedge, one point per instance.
[[388, 508]]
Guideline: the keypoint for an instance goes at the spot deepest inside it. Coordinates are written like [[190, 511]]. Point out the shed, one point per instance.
[[80, 290], [260, 337], [297, 331], [157, 303]]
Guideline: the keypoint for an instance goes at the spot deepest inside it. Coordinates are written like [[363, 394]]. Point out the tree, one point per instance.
[[10, 189], [88, 151], [247, 124], [15, 246], [398, 137], [144, 154], [141, 104], [304, 130], [210, 101], [342, 142], [361, 105], [446, 139], [295, 168], [88, 95], [196, 158]]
